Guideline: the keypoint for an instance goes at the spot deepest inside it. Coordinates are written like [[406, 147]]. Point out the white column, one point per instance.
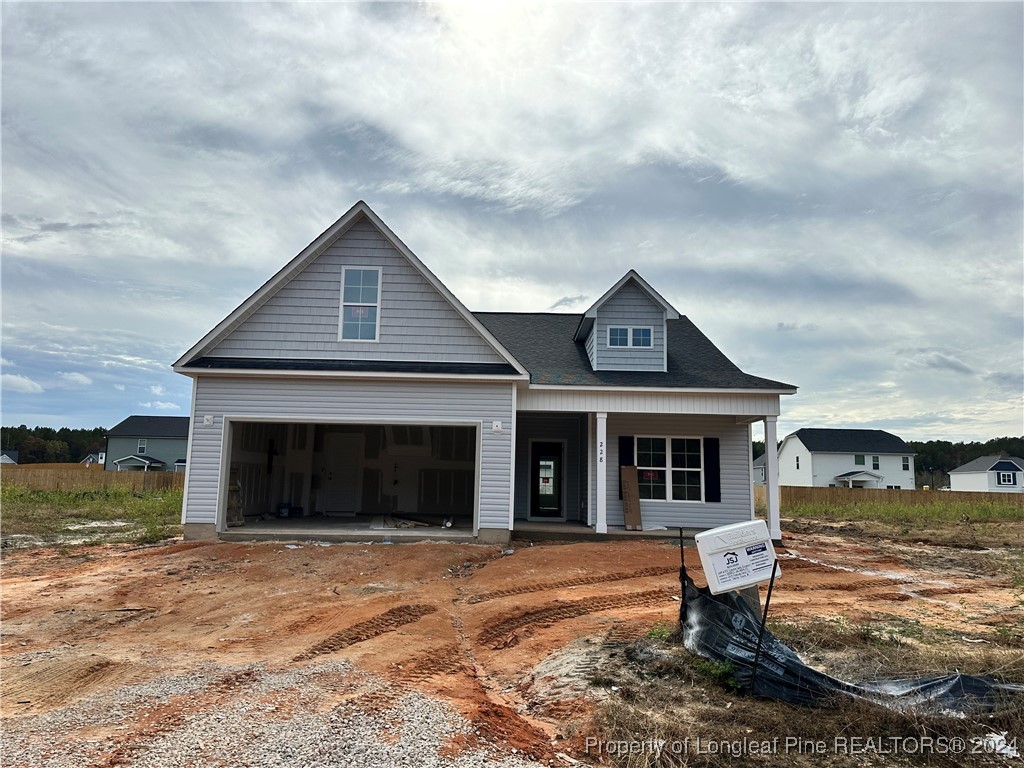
[[771, 477], [601, 525]]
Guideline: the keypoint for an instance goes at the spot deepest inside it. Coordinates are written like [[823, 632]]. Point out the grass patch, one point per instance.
[[680, 701], [894, 513], [78, 516]]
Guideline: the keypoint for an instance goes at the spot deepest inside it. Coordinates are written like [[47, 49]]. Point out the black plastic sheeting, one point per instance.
[[725, 628]]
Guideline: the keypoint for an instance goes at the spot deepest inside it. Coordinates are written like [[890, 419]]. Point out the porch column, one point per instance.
[[601, 525], [771, 477]]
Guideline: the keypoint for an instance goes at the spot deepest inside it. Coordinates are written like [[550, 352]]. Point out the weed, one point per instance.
[[721, 672], [660, 632]]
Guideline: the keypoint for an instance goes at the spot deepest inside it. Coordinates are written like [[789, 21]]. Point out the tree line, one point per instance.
[[46, 445]]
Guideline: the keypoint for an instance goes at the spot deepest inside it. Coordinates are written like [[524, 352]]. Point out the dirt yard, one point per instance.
[[511, 641]]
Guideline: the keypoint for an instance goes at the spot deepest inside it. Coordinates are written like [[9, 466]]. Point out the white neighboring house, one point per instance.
[[846, 458], [994, 474]]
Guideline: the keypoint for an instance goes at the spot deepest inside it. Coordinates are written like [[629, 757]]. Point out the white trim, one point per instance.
[[629, 337], [376, 305], [601, 521], [665, 390], [311, 252], [529, 489], [188, 453], [363, 375], [591, 430], [512, 462], [227, 433], [671, 312], [771, 475], [668, 468]]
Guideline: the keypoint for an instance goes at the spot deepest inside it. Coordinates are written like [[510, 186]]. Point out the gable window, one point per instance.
[[670, 468], [906, 463], [1007, 478], [627, 336], [142, 448], [360, 303], [874, 462], [798, 462], [858, 459]]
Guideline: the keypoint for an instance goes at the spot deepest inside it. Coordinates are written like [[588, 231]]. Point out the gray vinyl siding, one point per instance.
[[555, 427], [301, 319], [630, 307], [592, 347], [734, 450], [327, 400], [165, 449]]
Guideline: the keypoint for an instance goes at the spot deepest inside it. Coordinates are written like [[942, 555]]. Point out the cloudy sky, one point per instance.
[[833, 193]]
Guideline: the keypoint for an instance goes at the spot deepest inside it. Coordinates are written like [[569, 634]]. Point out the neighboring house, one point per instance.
[[94, 459], [995, 474], [146, 444], [8, 456], [846, 458], [356, 386], [759, 466]]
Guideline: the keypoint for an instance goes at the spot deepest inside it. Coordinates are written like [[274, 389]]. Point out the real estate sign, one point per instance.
[[736, 556]]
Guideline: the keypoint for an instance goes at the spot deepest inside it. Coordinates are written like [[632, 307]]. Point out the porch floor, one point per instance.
[[338, 529], [540, 530]]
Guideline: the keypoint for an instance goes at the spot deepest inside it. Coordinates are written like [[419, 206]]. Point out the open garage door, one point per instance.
[[352, 477]]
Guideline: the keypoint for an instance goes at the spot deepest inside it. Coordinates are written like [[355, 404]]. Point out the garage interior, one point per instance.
[[352, 477]]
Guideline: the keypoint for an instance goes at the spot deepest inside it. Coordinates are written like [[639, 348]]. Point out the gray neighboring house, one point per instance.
[[354, 386], [993, 474], [147, 444], [760, 465], [8, 456]]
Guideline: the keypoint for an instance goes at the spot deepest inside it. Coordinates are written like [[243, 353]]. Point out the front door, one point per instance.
[[546, 482]]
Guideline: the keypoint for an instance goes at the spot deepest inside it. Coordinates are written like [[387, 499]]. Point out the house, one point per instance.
[[846, 458], [146, 444], [354, 388], [94, 460], [995, 474], [759, 466], [8, 456]]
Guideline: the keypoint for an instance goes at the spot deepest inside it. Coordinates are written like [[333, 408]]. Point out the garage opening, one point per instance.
[[352, 477]]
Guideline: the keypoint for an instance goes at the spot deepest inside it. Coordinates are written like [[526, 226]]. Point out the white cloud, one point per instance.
[[4, 363], [160, 405], [15, 382], [157, 389], [119, 387], [74, 377]]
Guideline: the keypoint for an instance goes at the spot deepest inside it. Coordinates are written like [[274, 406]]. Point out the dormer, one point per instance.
[[625, 330]]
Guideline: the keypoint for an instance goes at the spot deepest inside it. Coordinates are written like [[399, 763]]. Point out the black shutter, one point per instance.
[[625, 456], [712, 471]]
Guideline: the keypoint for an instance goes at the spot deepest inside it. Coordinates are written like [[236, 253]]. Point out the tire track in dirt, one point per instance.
[[938, 591], [42, 684], [444, 660], [577, 582], [388, 621], [497, 634]]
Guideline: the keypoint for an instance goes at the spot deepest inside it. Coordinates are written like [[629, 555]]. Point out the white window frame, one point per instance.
[[142, 446], [629, 336], [668, 468], [375, 305], [1000, 478], [876, 463], [906, 463]]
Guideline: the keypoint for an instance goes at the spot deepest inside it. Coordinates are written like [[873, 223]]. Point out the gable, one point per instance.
[[628, 312], [296, 316]]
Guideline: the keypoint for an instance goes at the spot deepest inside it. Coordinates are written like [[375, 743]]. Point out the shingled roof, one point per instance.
[[989, 463], [151, 426], [852, 441], [543, 344]]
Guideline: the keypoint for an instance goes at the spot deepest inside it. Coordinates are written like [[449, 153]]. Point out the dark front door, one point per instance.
[[546, 482]]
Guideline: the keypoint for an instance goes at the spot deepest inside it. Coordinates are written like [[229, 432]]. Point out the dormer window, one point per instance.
[[630, 337]]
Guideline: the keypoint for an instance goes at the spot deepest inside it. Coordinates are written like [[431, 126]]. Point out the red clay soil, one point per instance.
[[457, 621]]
